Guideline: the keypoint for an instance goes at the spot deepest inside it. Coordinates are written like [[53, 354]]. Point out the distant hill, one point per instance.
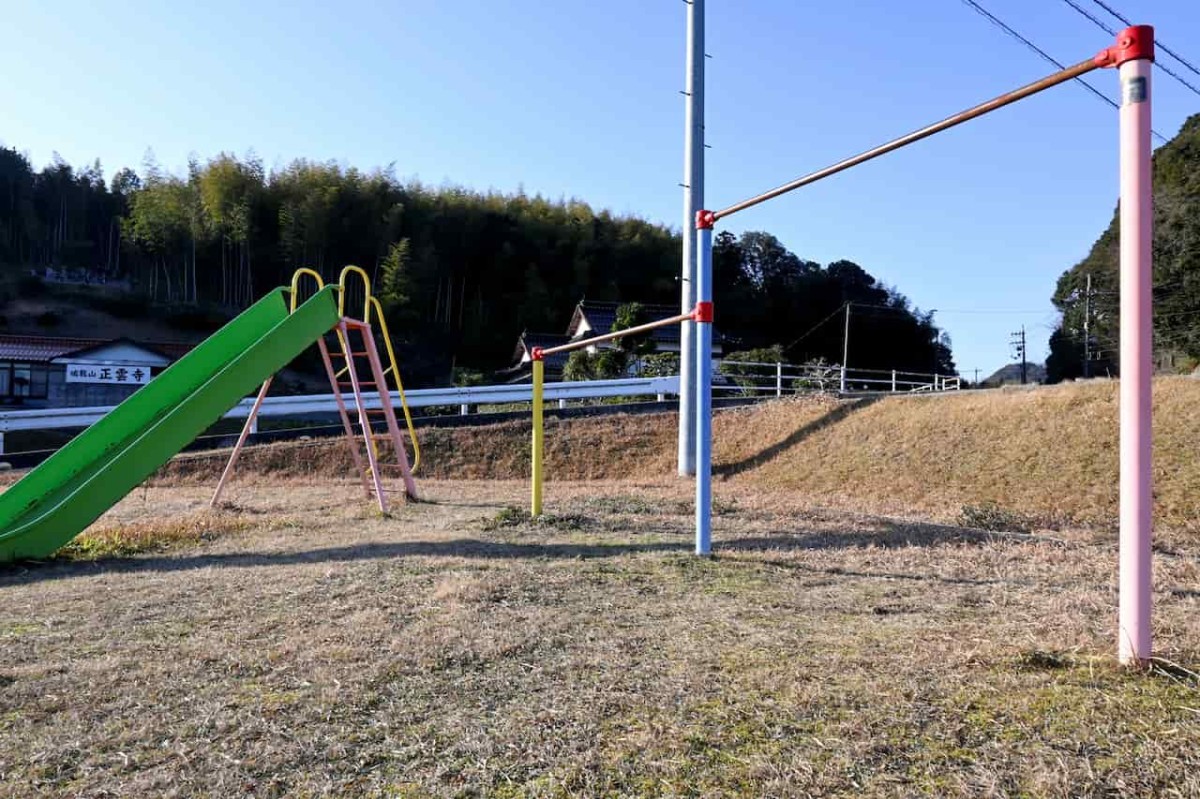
[[1011, 375], [1176, 275]]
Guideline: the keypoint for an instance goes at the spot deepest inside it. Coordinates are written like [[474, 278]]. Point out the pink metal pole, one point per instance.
[[1135, 60], [237, 448], [347, 428]]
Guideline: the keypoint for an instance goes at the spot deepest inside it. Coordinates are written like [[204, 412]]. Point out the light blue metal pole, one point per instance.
[[693, 201], [704, 317]]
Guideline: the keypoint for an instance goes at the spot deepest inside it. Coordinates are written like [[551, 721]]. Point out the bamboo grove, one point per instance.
[[463, 272]]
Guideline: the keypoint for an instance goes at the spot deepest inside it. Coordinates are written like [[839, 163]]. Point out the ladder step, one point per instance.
[[341, 354], [360, 382]]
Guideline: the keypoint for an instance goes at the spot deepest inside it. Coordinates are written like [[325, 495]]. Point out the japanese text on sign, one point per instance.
[[115, 374]]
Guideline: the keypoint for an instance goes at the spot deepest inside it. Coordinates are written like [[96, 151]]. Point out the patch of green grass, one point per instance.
[[135, 539], [512, 517], [507, 517], [16, 629], [1042, 660], [565, 521], [995, 518]]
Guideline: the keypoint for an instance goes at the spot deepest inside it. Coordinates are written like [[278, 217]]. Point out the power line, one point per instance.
[[1157, 43], [1091, 16], [1112, 32], [1113, 341], [1174, 314], [1011, 32], [972, 311], [813, 329]]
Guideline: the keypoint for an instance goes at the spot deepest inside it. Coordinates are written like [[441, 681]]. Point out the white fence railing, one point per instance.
[[759, 378], [752, 379], [314, 404]]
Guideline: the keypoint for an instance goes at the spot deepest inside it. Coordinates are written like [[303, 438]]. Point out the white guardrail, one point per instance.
[[755, 378], [768, 379], [50, 418]]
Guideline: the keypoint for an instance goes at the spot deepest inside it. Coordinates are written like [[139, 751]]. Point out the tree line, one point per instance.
[[1090, 321], [462, 272]]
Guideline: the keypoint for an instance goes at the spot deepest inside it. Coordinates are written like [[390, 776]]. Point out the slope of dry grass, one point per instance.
[[1050, 452], [1048, 455], [455, 649]]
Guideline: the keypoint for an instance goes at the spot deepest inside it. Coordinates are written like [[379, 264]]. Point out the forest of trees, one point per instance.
[[766, 295], [1176, 276], [462, 272]]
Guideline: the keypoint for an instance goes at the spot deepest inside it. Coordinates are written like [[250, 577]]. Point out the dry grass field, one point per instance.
[[1045, 458], [296, 643]]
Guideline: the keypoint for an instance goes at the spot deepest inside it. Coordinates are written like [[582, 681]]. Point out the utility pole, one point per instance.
[[693, 200], [845, 347], [1018, 345], [1087, 328]]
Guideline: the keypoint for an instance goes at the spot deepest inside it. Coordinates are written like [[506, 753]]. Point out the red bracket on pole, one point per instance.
[[705, 220], [537, 354], [1132, 44], [703, 312]]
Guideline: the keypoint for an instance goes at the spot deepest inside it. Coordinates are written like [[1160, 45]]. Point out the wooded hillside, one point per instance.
[[462, 271], [1176, 275]]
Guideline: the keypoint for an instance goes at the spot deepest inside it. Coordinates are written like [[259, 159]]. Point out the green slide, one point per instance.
[[67, 492]]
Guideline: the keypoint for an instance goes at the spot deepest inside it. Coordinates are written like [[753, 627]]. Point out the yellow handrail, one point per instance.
[[370, 302], [315, 275], [366, 279], [299, 273], [373, 303]]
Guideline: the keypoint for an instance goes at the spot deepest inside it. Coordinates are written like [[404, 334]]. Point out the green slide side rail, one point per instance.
[[61, 497]]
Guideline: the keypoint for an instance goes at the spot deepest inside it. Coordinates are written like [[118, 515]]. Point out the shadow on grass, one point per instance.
[[30, 572], [886, 535], [837, 414], [838, 571]]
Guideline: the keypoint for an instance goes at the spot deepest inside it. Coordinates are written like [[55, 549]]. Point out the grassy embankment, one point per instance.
[[1040, 458]]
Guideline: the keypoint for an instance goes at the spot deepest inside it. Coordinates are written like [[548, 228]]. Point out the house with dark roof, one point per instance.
[[591, 318], [53, 372], [523, 354]]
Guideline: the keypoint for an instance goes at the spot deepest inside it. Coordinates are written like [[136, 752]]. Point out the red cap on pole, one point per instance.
[[537, 354], [703, 312], [1133, 43], [705, 220]]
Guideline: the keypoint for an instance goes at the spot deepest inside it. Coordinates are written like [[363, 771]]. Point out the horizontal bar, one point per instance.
[[1070, 73], [629, 331]]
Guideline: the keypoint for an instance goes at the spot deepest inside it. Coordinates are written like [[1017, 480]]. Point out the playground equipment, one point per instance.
[[538, 356], [1133, 55], [348, 377], [67, 492]]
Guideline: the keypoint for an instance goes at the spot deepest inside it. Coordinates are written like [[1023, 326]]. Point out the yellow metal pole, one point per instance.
[[539, 435]]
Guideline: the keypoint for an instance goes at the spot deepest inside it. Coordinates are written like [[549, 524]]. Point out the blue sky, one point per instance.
[[582, 99]]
